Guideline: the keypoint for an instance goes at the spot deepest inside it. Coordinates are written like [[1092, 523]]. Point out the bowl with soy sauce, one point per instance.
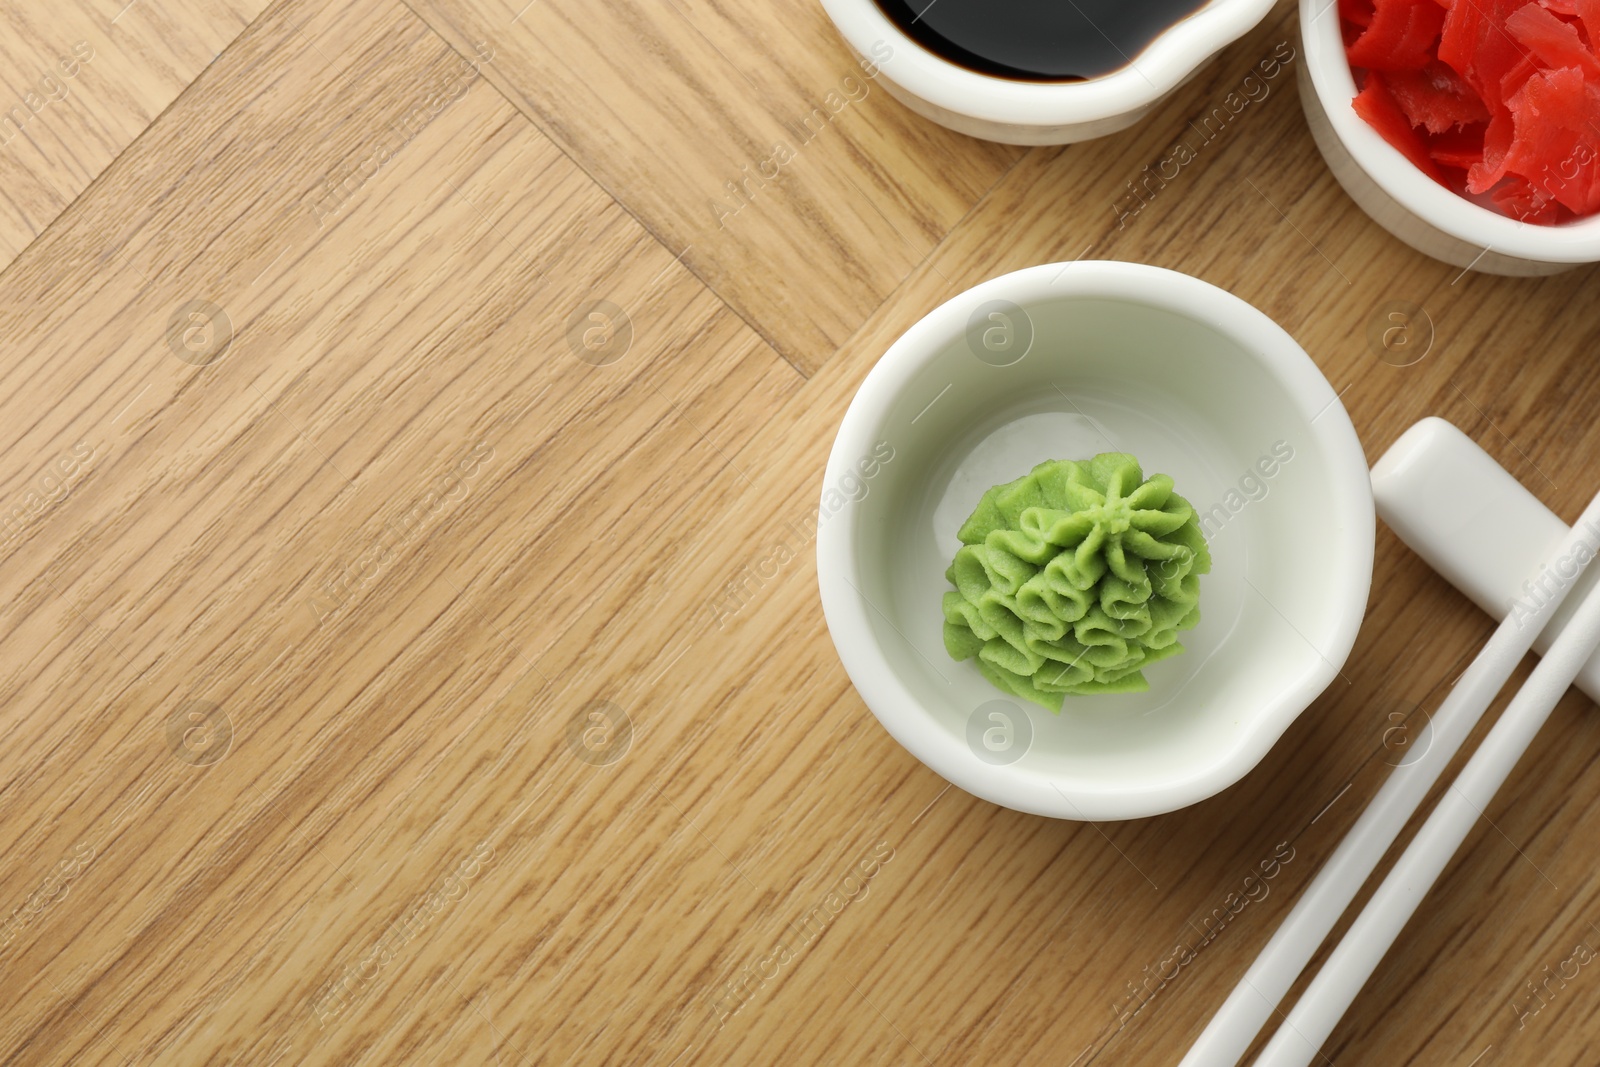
[[1038, 71]]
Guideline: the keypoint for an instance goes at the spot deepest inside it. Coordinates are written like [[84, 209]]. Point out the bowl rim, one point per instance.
[[1163, 65], [848, 613], [1335, 86]]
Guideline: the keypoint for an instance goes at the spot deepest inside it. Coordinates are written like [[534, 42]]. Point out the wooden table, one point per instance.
[[388, 390]]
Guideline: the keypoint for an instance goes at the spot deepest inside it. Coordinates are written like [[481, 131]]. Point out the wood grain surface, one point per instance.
[[79, 81], [381, 425]]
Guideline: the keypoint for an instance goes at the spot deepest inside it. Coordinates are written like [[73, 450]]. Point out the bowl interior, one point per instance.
[[1187, 399]]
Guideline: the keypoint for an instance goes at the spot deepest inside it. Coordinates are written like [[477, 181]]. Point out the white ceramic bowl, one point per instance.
[[1402, 199], [1019, 112], [1084, 358]]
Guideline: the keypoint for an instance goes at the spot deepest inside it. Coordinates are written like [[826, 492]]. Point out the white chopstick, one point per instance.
[[1391, 907], [1258, 994]]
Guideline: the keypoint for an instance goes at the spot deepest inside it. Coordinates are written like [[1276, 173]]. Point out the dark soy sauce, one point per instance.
[[1038, 40]]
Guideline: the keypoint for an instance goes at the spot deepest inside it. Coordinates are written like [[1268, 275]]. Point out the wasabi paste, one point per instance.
[[1074, 578]]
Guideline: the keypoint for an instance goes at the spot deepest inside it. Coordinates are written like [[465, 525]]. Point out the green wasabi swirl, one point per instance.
[[1074, 578]]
